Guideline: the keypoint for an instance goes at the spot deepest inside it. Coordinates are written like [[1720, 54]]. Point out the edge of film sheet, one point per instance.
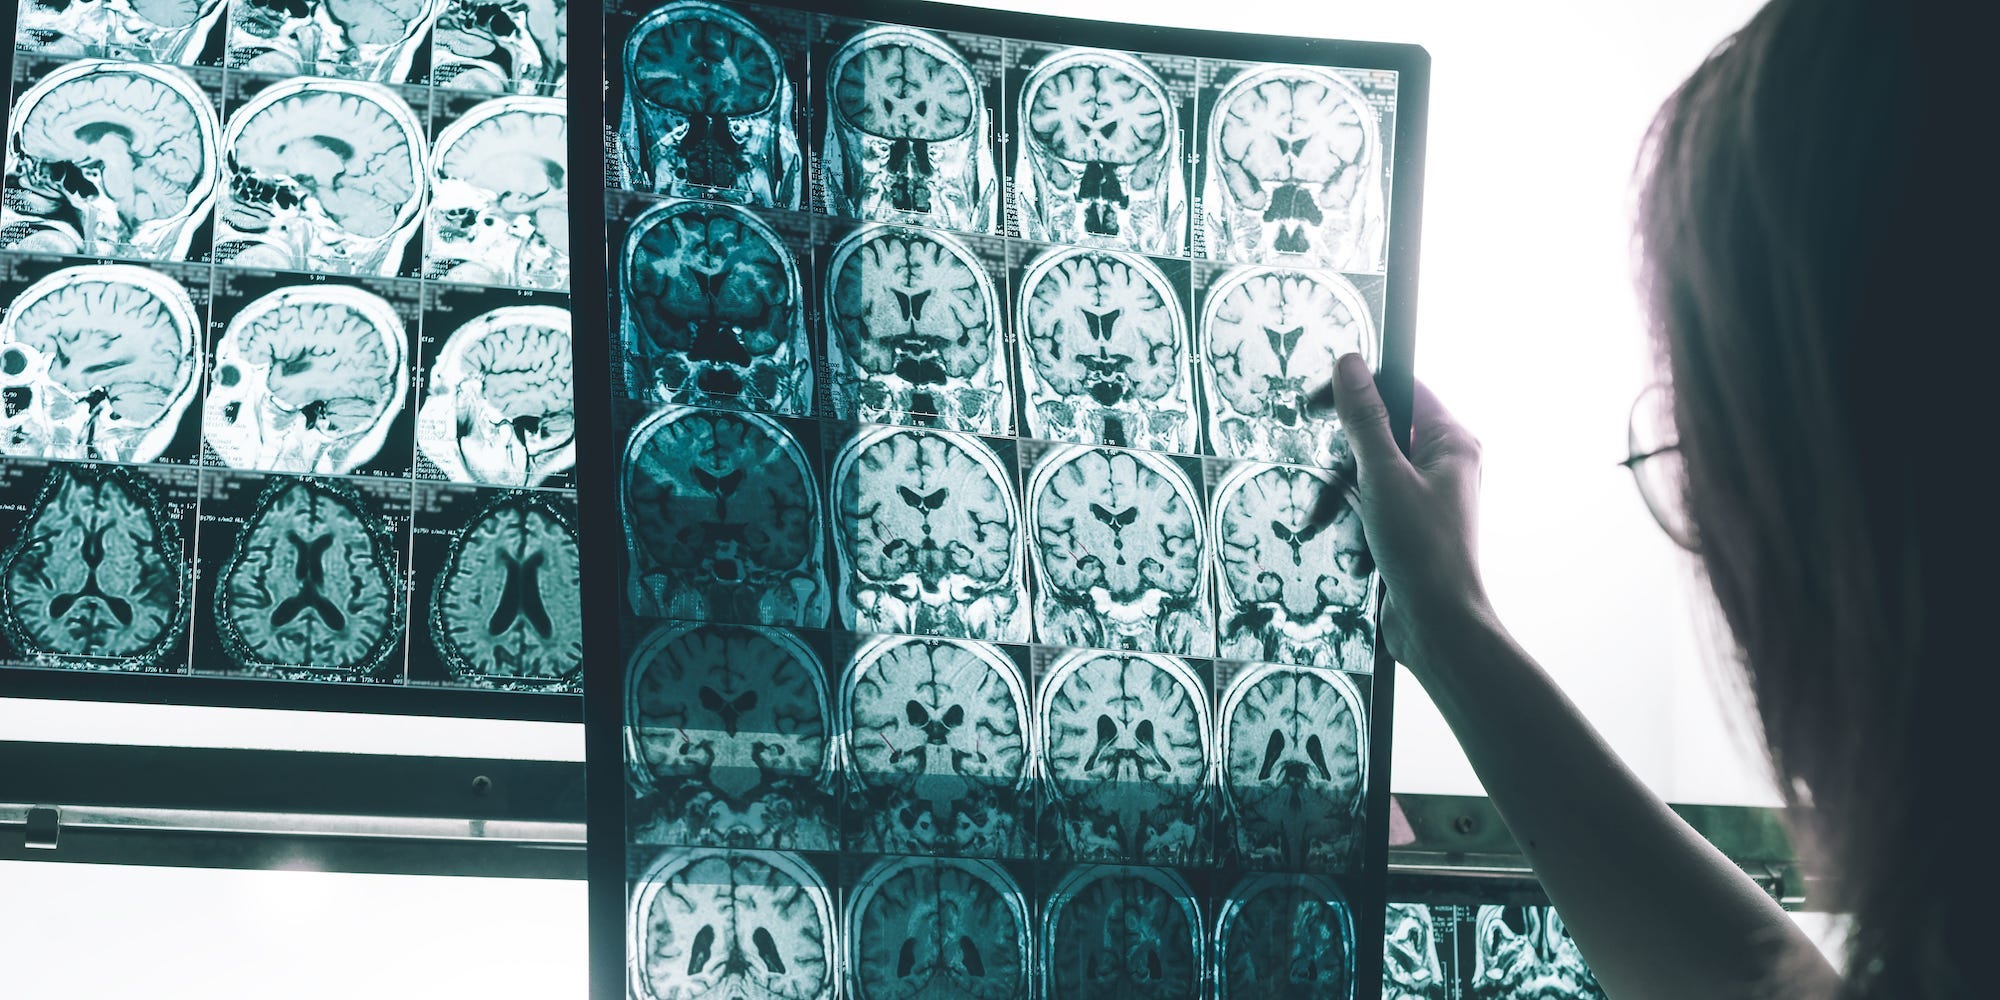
[[285, 394], [967, 636]]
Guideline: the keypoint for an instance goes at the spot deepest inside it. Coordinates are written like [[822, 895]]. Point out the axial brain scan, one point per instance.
[[1270, 337], [1128, 933], [311, 584], [708, 109], [1525, 953], [1101, 161], [1104, 353], [500, 406], [914, 333], [1294, 745], [928, 537], [508, 608], [138, 30], [95, 575], [938, 743], [1410, 966], [1285, 937], [351, 39], [509, 46], [110, 159], [1294, 171], [937, 930], [1118, 552], [722, 515], [323, 176], [710, 924], [97, 363], [713, 311], [906, 133], [307, 379], [1125, 740], [728, 738], [1292, 590], [499, 201]]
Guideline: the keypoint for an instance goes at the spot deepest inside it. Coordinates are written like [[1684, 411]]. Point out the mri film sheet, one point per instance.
[[1485, 952], [497, 394], [495, 592], [499, 205], [510, 47]]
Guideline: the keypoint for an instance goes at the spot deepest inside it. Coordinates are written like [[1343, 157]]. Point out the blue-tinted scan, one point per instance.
[[508, 607], [331, 38], [932, 929], [1100, 155], [135, 30], [500, 195], [1291, 590], [1411, 968], [1129, 933], [712, 923], [1268, 337], [509, 47], [500, 403], [1525, 953], [1105, 357], [1285, 937], [906, 133], [1294, 756]]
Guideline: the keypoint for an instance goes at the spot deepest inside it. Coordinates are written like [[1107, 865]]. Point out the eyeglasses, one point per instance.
[[1656, 463]]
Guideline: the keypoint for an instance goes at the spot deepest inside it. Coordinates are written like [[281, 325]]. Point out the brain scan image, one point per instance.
[[508, 47], [914, 333], [1525, 953], [1294, 172], [110, 159], [1100, 161], [1123, 934], [938, 744], [936, 929], [348, 39], [306, 379], [1269, 337], [928, 537], [507, 608], [95, 575], [1410, 966], [1291, 590], [713, 924], [311, 585], [1294, 749], [132, 30], [906, 133], [97, 363], [1285, 937], [1105, 357], [722, 515], [713, 312], [324, 176], [708, 109], [729, 740], [1117, 548], [500, 404], [499, 204], [1125, 745]]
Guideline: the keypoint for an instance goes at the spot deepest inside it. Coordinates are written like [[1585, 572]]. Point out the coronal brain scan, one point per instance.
[[715, 924], [1294, 753], [729, 737], [921, 929], [1104, 352], [1294, 169], [1525, 953], [906, 133], [499, 407], [713, 311], [1292, 589], [306, 379], [1100, 161], [97, 363], [109, 159], [1117, 544], [509, 46], [1128, 933], [311, 584], [708, 109], [928, 536], [1410, 966], [722, 517], [1285, 937], [350, 39], [1269, 337], [938, 742], [914, 333], [499, 195], [507, 607], [137, 30]]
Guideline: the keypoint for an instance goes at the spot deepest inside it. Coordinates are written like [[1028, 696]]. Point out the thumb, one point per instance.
[[1363, 416]]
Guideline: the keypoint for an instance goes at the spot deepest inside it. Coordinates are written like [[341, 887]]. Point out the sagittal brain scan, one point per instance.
[[1294, 168], [928, 537], [311, 585], [110, 159], [1411, 969], [729, 739], [1525, 953], [938, 744], [1100, 162], [922, 929], [1117, 544], [1285, 937], [713, 312], [95, 576], [713, 924], [324, 176], [1269, 337], [507, 607], [722, 517], [350, 39], [499, 407], [708, 109], [307, 379], [906, 133], [1125, 933], [1291, 590], [135, 30], [914, 333], [97, 363], [508, 47], [499, 200], [1104, 352], [1294, 753], [1125, 745]]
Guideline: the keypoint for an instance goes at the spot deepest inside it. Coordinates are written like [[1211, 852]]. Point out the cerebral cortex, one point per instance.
[[1285, 938], [311, 583], [1293, 130], [1271, 337], [1098, 113], [1109, 352], [122, 142], [508, 605], [1124, 933], [940, 930], [898, 90], [343, 151], [703, 64], [1296, 588], [1294, 172], [1292, 768], [1119, 548], [1127, 754], [501, 202], [718, 923], [501, 404]]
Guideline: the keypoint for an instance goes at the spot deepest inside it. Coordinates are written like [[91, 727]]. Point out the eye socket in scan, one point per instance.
[[507, 608], [1293, 589], [920, 929], [499, 212], [509, 47], [1122, 932], [1294, 760], [346, 39], [906, 133], [1105, 357], [133, 31], [708, 922], [1100, 161], [499, 407], [1285, 937]]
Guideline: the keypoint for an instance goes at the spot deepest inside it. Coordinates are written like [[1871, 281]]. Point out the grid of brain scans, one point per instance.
[[1434, 952], [979, 641], [285, 353]]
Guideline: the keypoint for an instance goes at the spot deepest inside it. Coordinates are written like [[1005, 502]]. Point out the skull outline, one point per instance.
[[947, 182], [452, 406], [1315, 836], [1340, 634], [1316, 892], [1073, 886], [515, 249], [1283, 430], [673, 863], [989, 875], [1152, 218], [464, 664]]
